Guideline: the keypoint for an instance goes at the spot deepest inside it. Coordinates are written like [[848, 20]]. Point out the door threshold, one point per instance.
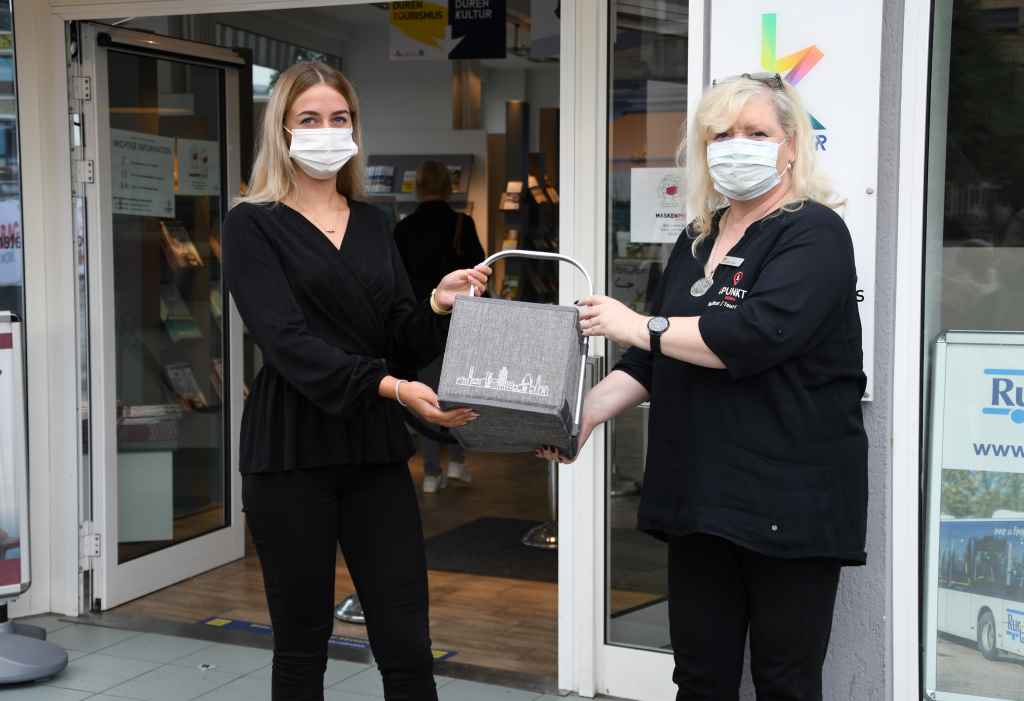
[[213, 634]]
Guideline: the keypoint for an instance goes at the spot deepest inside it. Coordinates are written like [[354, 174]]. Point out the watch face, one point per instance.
[[658, 324]]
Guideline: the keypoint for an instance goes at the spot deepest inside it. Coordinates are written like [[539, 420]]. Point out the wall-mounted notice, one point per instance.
[[830, 50], [143, 173], [975, 566], [198, 167], [11, 244], [657, 210]]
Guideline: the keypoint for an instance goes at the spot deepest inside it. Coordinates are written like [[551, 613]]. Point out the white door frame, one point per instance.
[[905, 487], [116, 583], [50, 284]]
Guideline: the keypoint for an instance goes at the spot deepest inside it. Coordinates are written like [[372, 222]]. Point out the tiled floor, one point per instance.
[[116, 665]]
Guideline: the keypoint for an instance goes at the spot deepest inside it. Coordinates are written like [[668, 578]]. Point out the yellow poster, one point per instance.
[[419, 31]]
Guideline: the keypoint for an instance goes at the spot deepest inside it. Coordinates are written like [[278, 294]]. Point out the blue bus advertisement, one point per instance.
[[981, 584]]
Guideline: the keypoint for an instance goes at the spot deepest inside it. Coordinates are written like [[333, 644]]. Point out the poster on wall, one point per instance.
[[143, 174], [657, 212], [442, 31], [831, 53], [11, 461], [198, 167], [10, 242], [974, 631]]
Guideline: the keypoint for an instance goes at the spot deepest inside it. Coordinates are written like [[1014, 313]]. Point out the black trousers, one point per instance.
[[719, 591], [297, 520]]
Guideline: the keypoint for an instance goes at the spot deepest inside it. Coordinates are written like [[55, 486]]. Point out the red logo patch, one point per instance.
[[737, 278]]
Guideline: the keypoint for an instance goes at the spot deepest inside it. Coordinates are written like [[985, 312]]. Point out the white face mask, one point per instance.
[[743, 169], [321, 153]]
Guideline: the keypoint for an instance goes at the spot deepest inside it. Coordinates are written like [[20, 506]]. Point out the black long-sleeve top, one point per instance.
[[330, 323], [435, 240], [770, 453]]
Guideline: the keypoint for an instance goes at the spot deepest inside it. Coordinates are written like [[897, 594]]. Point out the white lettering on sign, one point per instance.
[[473, 10]]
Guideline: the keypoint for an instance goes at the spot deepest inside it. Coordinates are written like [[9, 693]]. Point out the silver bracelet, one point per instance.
[[398, 396]]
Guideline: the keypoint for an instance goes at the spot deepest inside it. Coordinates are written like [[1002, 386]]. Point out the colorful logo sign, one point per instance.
[[795, 66], [1007, 398]]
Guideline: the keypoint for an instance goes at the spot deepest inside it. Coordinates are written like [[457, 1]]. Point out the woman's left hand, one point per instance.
[[458, 282], [604, 316]]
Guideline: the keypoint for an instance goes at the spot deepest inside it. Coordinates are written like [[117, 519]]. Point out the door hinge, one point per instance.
[[81, 88], [91, 542], [86, 171]]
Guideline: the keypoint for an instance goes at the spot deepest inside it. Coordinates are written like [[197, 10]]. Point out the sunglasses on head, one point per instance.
[[772, 80]]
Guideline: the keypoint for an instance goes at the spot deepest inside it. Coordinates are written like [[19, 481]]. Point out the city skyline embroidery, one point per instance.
[[501, 383]]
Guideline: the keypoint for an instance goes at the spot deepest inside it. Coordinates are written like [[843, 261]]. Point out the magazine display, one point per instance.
[[179, 249], [183, 382], [175, 315]]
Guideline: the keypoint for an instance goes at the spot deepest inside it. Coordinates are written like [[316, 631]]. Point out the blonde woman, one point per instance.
[[757, 461], [321, 287]]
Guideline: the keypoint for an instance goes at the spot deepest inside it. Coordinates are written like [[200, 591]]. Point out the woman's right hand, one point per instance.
[[421, 399], [550, 454]]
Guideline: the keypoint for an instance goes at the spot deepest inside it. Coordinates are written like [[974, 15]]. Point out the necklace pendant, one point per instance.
[[700, 287]]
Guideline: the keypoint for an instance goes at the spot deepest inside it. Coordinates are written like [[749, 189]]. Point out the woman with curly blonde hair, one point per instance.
[[751, 358]]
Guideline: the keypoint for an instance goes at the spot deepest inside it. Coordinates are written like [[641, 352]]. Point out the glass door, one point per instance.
[[161, 162], [649, 59]]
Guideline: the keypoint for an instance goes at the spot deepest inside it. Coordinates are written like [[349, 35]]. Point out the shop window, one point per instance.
[[974, 273]]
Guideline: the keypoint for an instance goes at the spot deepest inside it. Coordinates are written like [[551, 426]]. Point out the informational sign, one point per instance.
[[143, 174], [975, 563], [13, 477], [545, 28], [830, 51], [457, 29], [11, 244], [657, 211], [198, 167]]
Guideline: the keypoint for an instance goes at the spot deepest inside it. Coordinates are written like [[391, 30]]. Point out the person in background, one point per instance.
[[752, 361], [324, 449], [433, 241]]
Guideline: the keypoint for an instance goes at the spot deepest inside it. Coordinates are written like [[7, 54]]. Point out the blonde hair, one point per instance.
[[273, 173], [433, 180], [717, 112]]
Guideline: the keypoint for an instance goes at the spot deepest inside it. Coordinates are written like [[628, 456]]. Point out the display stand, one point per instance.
[[25, 655]]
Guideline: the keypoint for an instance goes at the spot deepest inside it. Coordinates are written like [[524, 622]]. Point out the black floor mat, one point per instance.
[[491, 547]]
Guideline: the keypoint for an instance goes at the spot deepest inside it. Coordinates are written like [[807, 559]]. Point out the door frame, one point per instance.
[[50, 287], [115, 583]]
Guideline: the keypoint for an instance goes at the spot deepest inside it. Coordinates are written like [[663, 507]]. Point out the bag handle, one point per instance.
[[538, 255]]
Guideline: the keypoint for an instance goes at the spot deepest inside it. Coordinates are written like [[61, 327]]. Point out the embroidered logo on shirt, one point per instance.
[[500, 383]]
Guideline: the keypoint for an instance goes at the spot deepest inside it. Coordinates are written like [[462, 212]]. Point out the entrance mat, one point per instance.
[[263, 629], [491, 547]]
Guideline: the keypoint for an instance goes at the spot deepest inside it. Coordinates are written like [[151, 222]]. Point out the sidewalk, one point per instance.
[[108, 664]]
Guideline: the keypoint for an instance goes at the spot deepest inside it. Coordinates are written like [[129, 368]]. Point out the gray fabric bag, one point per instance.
[[520, 366]]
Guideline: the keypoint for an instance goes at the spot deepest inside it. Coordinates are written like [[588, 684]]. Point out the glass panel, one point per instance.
[[167, 196], [647, 105], [12, 294], [974, 269]]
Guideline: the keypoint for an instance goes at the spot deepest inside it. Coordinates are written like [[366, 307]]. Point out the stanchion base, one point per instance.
[[25, 659], [349, 610], [23, 629], [621, 487], [543, 537]]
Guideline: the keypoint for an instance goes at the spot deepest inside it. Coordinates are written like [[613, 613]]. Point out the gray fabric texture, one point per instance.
[[518, 365]]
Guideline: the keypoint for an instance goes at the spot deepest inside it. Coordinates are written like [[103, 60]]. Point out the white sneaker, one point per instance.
[[459, 471], [432, 484]]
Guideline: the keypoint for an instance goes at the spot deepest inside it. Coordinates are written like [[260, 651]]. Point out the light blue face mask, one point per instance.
[[744, 169]]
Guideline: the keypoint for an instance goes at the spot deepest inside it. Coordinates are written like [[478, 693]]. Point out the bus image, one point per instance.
[[981, 583]]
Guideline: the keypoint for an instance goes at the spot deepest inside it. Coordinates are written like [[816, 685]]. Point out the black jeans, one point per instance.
[[297, 520], [718, 591]]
